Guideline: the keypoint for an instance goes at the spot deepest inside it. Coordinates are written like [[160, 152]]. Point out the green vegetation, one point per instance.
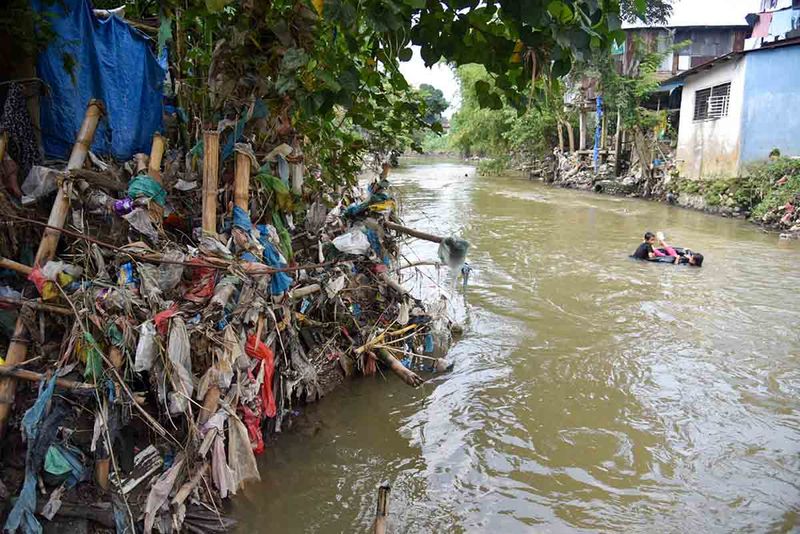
[[763, 180], [765, 187], [328, 70], [497, 133], [492, 167]]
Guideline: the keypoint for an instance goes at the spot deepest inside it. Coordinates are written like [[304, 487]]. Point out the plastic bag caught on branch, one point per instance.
[[179, 353], [453, 252], [353, 242], [241, 458]]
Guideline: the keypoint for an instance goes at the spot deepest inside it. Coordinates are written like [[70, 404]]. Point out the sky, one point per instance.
[[685, 13], [439, 76]]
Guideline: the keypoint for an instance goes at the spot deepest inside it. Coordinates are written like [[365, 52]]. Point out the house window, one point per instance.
[[712, 103]]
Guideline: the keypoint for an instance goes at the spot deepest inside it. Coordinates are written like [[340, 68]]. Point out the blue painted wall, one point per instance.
[[771, 114]]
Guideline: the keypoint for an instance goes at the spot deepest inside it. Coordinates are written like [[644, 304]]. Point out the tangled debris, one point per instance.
[[156, 344]]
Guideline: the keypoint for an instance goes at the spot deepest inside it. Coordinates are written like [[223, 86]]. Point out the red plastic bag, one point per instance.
[[162, 318], [256, 348], [46, 288], [202, 283], [253, 424]]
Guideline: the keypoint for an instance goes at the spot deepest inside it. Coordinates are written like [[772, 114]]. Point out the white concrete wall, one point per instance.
[[711, 148]]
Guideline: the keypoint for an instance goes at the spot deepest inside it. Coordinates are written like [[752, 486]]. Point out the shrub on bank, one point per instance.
[[492, 167], [764, 188]]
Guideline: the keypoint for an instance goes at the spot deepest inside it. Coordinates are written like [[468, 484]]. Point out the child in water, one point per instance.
[[664, 253]]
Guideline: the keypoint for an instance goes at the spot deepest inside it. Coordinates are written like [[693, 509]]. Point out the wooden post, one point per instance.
[[413, 233], [603, 133], [560, 136], [618, 145], [210, 181], [582, 131], [241, 182], [571, 135], [3, 146], [382, 510], [18, 348]]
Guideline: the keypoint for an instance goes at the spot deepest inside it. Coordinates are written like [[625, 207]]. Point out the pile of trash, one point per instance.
[[179, 310], [573, 171]]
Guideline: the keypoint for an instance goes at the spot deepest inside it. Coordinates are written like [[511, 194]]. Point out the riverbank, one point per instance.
[[160, 336], [768, 194]]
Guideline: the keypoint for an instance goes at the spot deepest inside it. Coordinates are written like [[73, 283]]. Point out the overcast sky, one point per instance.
[[685, 13]]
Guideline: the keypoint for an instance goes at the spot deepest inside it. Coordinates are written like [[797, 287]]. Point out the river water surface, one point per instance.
[[590, 392]]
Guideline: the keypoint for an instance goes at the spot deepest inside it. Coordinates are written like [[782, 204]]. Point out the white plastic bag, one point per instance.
[[146, 347], [40, 182], [179, 353], [353, 242]]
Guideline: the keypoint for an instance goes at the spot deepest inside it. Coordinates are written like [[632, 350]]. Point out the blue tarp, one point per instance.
[[111, 62]]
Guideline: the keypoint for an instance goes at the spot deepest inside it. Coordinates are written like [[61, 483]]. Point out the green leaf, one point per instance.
[[215, 6], [329, 81], [560, 11], [405, 54], [293, 59], [641, 7], [416, 4]]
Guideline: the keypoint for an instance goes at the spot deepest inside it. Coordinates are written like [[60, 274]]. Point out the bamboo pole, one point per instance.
[[210, 180], [301, 292], [155, 209], [141, 163], [241, 198], [12, 265], [582, 130], [185, 490], [407, 375], [31, 376], [560, 136], [47, 249], [36, 305], [241, 182], [156, 155], [58, 214]]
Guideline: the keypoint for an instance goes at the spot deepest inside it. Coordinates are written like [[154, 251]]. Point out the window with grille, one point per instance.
[[712, 103]]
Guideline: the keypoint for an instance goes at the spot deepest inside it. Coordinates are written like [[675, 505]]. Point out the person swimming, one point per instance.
[[646, 250], [664, 253]]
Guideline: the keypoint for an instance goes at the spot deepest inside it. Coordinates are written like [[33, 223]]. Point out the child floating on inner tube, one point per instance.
[[664, 253]]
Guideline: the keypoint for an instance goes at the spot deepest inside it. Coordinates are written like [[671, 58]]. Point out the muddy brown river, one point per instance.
[[590, 392]]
